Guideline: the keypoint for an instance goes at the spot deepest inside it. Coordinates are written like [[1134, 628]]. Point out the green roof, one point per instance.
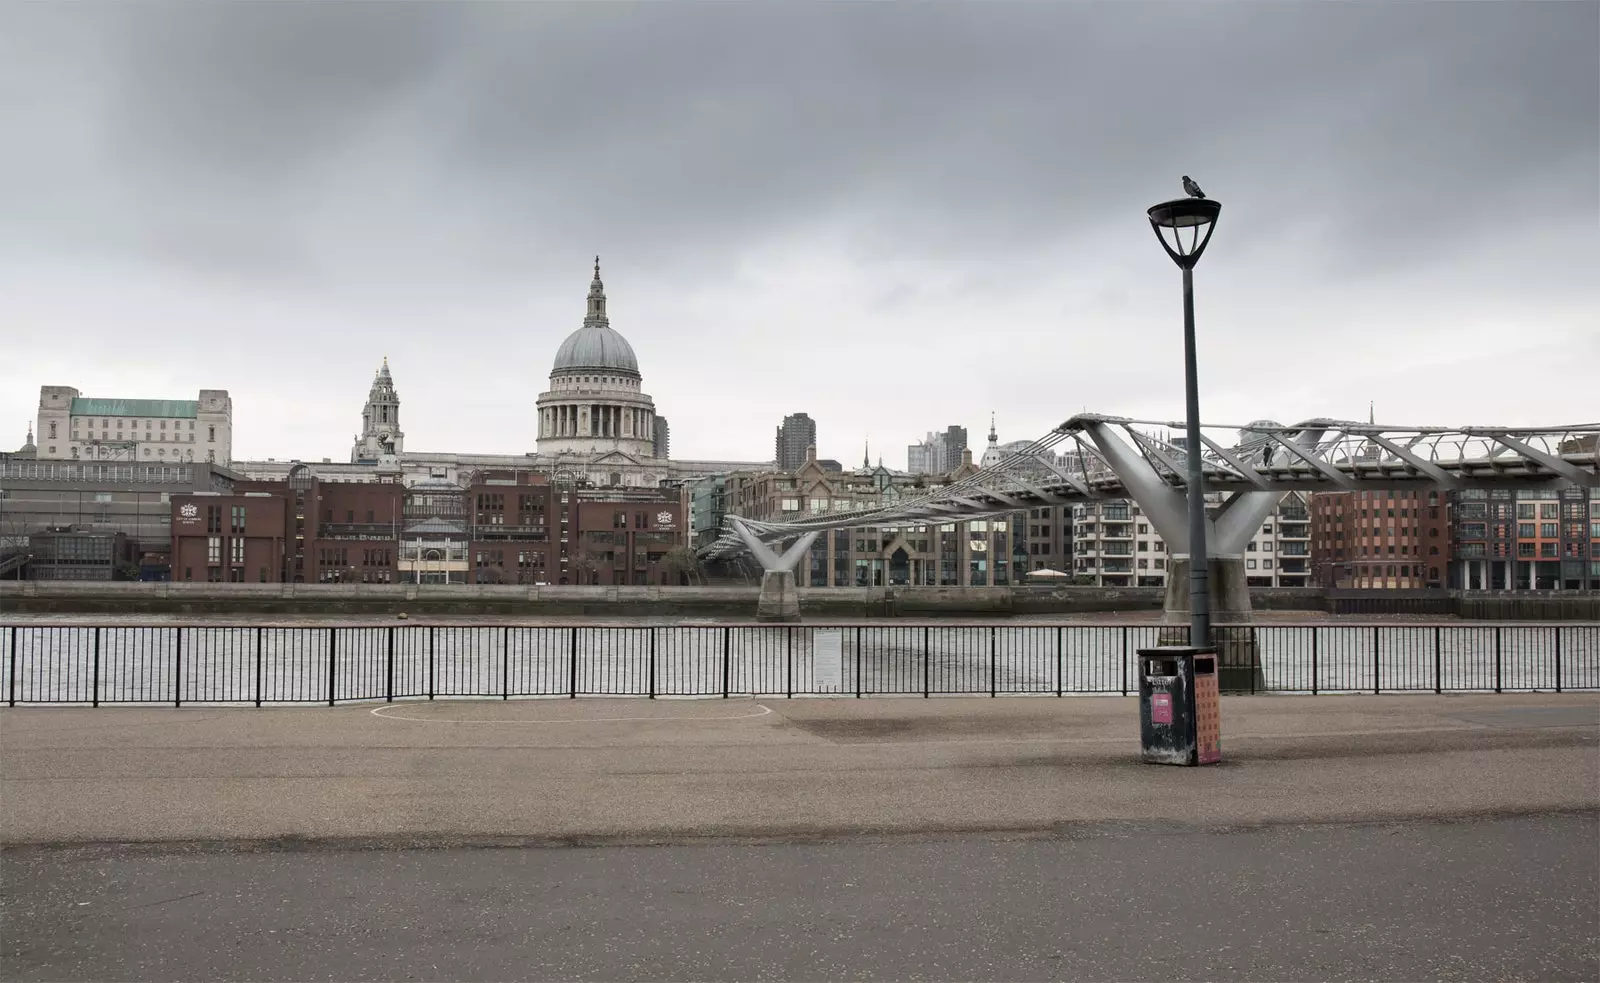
[[186, 408]]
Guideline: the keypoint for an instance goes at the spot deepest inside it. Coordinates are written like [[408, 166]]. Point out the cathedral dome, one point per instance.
[[596, 346]]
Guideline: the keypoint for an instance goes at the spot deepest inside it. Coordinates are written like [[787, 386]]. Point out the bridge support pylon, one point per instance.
[[780, 595], [1233, 629]]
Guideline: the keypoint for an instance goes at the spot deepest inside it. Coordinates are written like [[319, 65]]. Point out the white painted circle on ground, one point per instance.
[[760, 711]]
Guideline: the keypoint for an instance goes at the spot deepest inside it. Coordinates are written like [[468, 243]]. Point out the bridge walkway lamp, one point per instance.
[[1184, 227]]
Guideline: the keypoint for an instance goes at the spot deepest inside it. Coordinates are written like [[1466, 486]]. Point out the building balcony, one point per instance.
[[1293, 531], [431, 554], [1118, 532], [493, 531], [357, 530]]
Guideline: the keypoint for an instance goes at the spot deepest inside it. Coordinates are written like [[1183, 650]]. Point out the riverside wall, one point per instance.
[[77, 597]]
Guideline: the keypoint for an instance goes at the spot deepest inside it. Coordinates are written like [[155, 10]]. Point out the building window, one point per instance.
[[236, 515], [213, 518], [214, 550], [238, 551]]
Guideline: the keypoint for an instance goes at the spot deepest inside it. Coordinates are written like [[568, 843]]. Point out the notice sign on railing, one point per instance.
[[827, 660]]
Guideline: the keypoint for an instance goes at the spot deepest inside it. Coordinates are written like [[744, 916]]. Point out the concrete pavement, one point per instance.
[[1501, 899], [594, 771]]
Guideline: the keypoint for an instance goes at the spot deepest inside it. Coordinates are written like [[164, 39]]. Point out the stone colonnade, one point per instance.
[[596, 420]]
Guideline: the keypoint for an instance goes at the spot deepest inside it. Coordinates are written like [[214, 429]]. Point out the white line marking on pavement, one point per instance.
[[761, 711]]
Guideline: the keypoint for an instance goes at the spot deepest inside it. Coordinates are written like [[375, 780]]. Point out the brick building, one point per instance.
[[351, 532], [1387, 539], [298, 531], [229, 537], [509, 520]]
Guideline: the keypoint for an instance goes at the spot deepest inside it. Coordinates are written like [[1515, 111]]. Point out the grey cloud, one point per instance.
[[963, 125], [952, 155]]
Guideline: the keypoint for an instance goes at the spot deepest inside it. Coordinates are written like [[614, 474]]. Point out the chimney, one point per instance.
[[811, 453], [966, 456]]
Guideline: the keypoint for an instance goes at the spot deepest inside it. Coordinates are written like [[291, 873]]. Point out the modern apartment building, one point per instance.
[[1047, 541], [73, 427], [1524, 539], [1114, 545], [797, 433]]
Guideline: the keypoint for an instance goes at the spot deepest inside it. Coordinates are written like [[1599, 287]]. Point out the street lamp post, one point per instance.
[[1184, 227]]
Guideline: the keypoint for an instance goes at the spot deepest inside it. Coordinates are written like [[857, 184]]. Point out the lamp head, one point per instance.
[[1184, 226]]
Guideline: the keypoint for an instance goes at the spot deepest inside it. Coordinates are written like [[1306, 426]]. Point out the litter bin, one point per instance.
[[1179, 706]]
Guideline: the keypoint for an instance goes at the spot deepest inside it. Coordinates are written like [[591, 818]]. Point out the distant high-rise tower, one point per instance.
[[380, 435], [797, 433], [955, 444], [937, 452], [662, 437]]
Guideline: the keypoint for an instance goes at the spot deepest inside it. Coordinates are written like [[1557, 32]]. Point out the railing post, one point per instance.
[[177, 672], [388, 685], [258, 665], [94, 693], [858, 662], [1313, 631], [333, 664], [993, 665], [652, 673], [572, 664], [727, 658], [11, 684], [1377, 663], [505, 662], [788, 663], [1125, 660], [1439, 663], [430, 662], [927, 664], [1497, 658], [1557, 630], [1059, 670]]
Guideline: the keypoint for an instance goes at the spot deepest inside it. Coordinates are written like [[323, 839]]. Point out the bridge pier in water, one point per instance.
[[1233, 629], [780, 596]]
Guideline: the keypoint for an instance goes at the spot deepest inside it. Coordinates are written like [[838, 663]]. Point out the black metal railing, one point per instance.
[[53, 664]]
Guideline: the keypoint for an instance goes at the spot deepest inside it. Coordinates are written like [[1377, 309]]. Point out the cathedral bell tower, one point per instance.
[[381, 437]]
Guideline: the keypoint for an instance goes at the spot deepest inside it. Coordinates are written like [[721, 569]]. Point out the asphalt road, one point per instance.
[[1495, 899]]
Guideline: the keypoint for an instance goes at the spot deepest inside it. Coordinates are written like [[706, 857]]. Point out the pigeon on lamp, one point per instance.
[[1192, 189]]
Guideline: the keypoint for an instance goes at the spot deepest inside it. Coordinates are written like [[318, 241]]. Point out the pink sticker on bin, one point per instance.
[[1161, 708]]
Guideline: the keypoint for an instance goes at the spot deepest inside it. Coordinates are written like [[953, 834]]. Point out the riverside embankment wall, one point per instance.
[[68, 597]]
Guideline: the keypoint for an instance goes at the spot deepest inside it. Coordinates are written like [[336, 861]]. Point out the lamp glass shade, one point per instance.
[[1184, 226]]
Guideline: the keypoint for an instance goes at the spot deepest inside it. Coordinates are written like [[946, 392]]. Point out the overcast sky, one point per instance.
[[893, 217]]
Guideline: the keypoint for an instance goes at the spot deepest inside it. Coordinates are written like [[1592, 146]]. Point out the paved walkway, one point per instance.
[[640, 771], [1510, 899]]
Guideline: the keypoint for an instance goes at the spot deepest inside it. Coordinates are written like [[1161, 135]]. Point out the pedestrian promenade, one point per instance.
[[620, 771]]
